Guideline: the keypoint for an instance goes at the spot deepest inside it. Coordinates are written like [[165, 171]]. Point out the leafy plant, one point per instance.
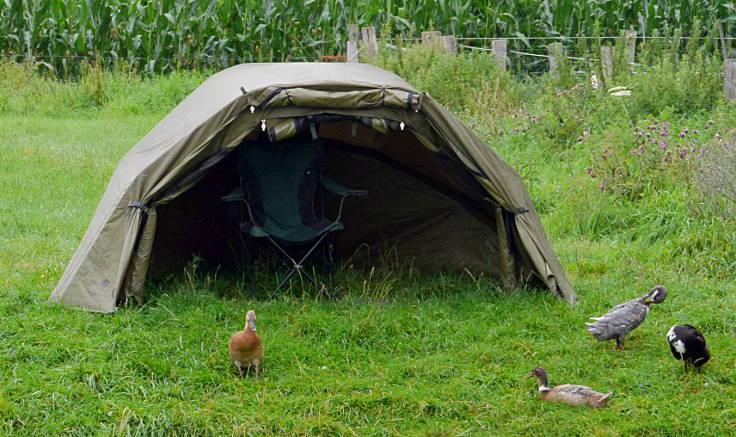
[[656, 157]]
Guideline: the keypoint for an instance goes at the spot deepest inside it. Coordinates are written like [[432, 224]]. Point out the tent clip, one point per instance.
[[520, 210], [242, 90], [140, 205]]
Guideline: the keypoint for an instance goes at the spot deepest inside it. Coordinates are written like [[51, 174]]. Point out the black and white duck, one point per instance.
[[625, 317], [688, 344], [568, 393]]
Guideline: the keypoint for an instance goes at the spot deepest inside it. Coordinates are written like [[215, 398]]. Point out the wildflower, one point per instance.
[[683, 153], [695, 131], [642, 149], [682, 134], [663, 145], [602, 185], [589, 170], [665, 159]]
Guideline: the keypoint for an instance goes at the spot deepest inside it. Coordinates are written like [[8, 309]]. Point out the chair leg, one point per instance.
[[283, 281], [298, 266]]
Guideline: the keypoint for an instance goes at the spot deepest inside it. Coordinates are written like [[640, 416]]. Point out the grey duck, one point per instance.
[[623, 318]]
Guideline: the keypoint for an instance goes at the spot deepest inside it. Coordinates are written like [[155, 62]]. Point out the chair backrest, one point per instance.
[[281, 181]]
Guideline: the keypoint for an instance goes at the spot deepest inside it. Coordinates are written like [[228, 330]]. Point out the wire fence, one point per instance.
[[520, 48]]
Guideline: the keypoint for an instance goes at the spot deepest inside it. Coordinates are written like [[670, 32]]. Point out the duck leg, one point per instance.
[[620, 343]]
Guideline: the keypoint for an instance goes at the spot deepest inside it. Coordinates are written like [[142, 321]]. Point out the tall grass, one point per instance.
[[161, 36]]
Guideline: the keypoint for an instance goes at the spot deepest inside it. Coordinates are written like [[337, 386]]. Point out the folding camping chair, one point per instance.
[[279, 183]]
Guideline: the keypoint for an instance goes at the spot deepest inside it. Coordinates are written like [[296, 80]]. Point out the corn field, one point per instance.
[[164, 35]]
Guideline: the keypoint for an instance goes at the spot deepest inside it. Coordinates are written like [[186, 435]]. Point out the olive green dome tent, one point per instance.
[[440, 198]]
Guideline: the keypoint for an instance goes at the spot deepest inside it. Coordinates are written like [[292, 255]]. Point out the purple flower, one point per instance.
[[589, 170], [642, 149], [682, 134], [663, 145], [602, 185], [665, 159], [695, 131]]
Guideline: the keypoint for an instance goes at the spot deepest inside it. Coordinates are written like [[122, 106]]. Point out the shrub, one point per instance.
[[666, 80]]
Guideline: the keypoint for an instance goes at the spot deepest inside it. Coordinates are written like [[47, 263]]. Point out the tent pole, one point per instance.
[[504, 251]]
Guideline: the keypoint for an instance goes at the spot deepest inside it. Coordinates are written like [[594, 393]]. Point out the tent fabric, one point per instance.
[[435, 156]]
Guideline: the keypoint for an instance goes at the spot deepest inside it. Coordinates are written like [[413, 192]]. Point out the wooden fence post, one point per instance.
[[500, 47], [724, 47], [554, 51], [431, 38], [370, 43], [449, 44], [353, 38], [607, 64], [631, 46], [729, 78]]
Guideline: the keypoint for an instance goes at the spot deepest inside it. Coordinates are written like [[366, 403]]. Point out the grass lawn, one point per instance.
[[399, 354]]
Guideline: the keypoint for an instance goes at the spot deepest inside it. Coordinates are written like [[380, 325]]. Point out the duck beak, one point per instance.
[[648, 300]]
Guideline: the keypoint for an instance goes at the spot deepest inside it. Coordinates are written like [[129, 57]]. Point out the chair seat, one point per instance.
[[297, 235]]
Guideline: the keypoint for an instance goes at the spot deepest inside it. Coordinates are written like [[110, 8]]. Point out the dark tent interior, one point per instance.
[[424, 208]]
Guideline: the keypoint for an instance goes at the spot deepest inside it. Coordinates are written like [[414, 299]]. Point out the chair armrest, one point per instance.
[[340, 190], [335, 188], [238, 194]]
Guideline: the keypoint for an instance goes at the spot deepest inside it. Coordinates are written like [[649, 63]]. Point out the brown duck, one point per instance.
[[246, 347], [568, 393]]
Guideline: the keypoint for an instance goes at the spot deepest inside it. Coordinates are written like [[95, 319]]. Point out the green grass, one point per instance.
[[401, 353]]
